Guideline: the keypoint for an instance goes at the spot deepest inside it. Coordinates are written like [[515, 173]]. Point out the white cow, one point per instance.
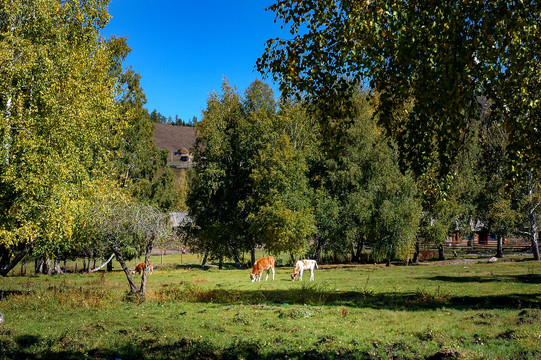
[[304, 265]]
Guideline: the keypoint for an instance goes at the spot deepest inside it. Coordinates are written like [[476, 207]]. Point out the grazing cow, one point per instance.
[[266, 263], [140, 267], [304, 265]]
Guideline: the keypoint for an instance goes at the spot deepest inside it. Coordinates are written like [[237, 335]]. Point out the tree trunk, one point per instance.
[[221, 262], [534, 233], [204, 261], [48, 266], [57, 269], [148, 250], [252, 256], [91, 253], [39, 263], [120, 258], [7, 263], [499, 250], [105, 263], [292, 259], [417, 251], [233, 252], [320, 244], [360, 247], [441, 253], [43, 266]]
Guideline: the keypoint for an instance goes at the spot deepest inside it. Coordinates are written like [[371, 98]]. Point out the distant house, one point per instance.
[[177, 140], [184, 153]]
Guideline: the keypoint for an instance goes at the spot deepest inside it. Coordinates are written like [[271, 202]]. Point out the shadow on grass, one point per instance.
[[318, 295], [182, 349], [8, 293], [528, 279]]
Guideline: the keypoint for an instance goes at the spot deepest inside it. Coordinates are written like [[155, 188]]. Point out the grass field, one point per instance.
[[467, 310]]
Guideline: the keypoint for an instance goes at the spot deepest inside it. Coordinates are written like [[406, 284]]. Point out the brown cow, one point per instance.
[[266, 263], [140, 267]]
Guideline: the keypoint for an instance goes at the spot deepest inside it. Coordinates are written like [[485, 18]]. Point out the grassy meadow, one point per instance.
[[465, 310]]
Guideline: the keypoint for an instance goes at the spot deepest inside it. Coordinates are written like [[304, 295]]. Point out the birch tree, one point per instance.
[[58, 120]]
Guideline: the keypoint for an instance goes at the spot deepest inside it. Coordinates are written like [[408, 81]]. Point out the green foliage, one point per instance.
[[71, 121], [440, 73], [217, 183], [283, 218], [249, 185], [436, 56], [125, 228], [436, 69], [276, 175], [497, 202], [58, 127], [121, 221], [361, 193], [139, 164]]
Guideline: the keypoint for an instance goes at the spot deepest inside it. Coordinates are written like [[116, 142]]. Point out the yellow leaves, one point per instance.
[[62, 116], [22, 234]]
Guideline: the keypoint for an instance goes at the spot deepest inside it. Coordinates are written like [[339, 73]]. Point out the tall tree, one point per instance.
[[139, 164], [361, 178], [220, 178], [428, 62], [496, 205], [282, 217], [249, 186], [59, 122]]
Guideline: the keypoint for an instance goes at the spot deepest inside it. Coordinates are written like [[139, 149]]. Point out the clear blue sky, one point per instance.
[[183, 49]]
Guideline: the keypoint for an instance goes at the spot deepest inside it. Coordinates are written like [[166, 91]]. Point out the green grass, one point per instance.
[[475, 311]]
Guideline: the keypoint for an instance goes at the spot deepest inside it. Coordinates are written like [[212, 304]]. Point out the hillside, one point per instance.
[[172, 137]]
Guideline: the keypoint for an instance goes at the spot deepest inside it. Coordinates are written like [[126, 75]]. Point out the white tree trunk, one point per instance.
[[105, 263]]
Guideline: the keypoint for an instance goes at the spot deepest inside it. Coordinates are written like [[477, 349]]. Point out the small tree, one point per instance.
[[125, 226], [530, 206]]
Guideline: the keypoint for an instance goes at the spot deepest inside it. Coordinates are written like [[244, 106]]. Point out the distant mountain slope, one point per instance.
[[172, 137]]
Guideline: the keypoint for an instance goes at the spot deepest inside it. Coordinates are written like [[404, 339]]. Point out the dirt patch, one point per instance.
[[445, 354], [527, 317], [508, 335]]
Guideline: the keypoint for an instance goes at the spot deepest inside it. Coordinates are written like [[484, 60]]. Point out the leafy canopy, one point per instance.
[[438, 56]]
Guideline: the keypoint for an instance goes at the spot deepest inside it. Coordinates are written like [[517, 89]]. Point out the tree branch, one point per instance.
[[6, 269], [102, 265]]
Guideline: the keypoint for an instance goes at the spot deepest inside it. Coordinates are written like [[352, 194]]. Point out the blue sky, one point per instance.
[[183, 49]]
